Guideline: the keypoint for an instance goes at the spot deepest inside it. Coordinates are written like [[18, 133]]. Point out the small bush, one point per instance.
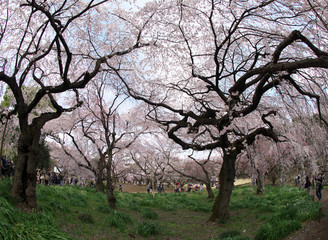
[[5, 188], [135, 205], [19, 225], [229, 234], [86, 218], [148, 228], [277, 229], [149, 214], [118, 220], [100, 197], [103, 208]]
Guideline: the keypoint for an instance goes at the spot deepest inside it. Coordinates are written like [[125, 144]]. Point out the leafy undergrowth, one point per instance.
[[15, 224], [71, 212]]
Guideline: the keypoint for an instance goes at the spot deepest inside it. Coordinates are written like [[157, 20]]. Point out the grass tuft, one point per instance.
[[104, 208], [149, 214], [86, 218], [118, 220], [148, 228]]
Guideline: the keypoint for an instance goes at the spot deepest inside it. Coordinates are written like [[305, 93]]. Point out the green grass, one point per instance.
[[148, 228], [118, 220], [70, 212]]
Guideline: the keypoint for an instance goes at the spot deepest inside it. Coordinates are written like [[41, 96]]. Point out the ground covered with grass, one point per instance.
[[70, 212]]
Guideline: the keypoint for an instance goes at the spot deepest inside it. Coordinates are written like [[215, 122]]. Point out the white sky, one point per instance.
[[139, 3]]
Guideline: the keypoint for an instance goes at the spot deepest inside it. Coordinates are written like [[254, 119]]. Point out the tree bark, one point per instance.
[[259, 182], [210, 193], [110, 187], [2, 142], [24, 180], [100, 182], [220, 210], [100, 175]]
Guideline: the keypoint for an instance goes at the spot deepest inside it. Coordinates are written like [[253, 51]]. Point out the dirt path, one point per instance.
[[315, 230]]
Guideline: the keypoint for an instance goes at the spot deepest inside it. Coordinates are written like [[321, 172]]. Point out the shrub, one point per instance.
[[149, 214], [148, 228], [118, 220], [103, 208], [86, 218], [277, 229], [100, 197], [229, 234], [5, 188], [16, 225]]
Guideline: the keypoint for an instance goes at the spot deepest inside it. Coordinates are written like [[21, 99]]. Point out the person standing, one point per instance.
[[318, 186], [307, 184]]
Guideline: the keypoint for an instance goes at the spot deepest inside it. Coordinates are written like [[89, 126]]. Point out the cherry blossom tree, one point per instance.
[[218, 68], [149, 160], [265, 158], [101, 131], [201, 170], [57, 47]]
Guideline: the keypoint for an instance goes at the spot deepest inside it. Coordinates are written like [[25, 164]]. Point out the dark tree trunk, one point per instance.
[[2, 142], [100, 175], [100, 182], [110, 186], [24, 180], [259, 183], [210, 193], [220, 210]]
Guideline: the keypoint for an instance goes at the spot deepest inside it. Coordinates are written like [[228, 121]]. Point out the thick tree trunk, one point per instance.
[[100, 175], [259, 183], [110, 186], [110, 191], [210, 193], [220, 210], [24, 180], [100, 182], [2, 142]]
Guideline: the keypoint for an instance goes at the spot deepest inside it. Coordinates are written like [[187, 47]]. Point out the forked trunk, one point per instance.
[[220, 210], [24, 180]]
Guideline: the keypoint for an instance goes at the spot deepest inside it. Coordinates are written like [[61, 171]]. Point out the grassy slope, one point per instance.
[[84, 214]]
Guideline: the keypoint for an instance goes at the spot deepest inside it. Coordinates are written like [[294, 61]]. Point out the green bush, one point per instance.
[[16, 225], [277, 229], [148, 228], [229, 234], [100, 197], [86, 218], [5, 188], [149, 214], [118, 220], [104, 208]]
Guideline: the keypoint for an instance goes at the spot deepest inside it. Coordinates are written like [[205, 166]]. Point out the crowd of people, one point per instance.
[[180, 187], [48, 177]]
